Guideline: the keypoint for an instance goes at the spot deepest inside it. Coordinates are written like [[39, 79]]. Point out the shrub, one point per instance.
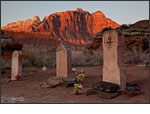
[[5, 64], [106, 29], [86, 58], [133, 57], [125, 26], [38, 58]]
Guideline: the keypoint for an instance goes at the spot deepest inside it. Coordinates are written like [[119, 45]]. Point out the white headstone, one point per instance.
[[16, 64]]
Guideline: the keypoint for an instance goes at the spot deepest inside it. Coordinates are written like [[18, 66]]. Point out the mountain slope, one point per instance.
[[77, 26]]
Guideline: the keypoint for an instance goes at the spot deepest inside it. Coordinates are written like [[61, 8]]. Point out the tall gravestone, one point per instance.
[[16, 64], [63, 61], [113, 55]]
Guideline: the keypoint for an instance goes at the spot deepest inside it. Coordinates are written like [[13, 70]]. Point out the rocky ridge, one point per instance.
[[77, 26]]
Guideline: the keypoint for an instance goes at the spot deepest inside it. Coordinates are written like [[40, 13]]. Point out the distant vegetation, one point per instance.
[[134, 56], [106, 29], [87, 57], [124, 26], [36, 35], [34, 58], [38, 58]]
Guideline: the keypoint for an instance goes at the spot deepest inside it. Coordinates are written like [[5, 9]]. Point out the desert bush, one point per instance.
[[134, 56], [124, 26], [106, 29], [38, 58], [5, 64], [86, 58]]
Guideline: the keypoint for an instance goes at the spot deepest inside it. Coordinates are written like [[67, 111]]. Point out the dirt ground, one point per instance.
[[28, 90]]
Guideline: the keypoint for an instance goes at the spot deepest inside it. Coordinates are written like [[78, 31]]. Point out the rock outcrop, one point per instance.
[[77, 26], [136, 37], [23, 26]]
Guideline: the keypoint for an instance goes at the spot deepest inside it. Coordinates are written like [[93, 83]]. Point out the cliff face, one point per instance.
[[25, 26], [136, 38], [73, 26], [100, 22]]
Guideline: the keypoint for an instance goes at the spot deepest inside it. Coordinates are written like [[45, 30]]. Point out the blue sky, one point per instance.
[[123, 12]]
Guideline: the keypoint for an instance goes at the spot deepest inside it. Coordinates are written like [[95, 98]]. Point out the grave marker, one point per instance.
[[63, 61], [113, 65], [16, 64]]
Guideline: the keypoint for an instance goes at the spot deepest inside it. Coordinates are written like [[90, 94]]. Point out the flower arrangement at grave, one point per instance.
[[18, 76], [147, 63], [81, 77], [79, 86]]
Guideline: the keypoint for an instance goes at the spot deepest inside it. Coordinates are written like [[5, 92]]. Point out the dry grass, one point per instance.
[[38, 58], [86, 58], [133, 57], [5, 64]]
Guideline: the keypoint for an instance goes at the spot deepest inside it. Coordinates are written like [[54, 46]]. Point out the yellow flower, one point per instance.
[[81, 77], [76, 88]]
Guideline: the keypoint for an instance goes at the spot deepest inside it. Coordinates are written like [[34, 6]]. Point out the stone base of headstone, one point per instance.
[[105, 90], [69, 82], [106, 86]]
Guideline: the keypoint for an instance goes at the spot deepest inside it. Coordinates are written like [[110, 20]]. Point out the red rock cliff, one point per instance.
[[77, 26]]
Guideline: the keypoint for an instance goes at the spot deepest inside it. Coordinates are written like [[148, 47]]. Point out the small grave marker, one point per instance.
[[16, 64]]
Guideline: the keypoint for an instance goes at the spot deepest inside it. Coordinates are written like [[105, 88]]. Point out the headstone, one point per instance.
[[113, 55], [16, 64], [63, 61]]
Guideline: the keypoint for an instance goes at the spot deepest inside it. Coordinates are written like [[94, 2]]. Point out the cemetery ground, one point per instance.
[[29, 90]]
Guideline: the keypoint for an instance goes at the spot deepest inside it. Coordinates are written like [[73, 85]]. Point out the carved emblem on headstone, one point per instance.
[[109, 40]]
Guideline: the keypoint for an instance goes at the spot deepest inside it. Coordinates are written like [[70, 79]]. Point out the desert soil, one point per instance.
[[29, 90]]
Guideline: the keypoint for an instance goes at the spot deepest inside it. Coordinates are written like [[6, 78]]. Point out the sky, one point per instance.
[[122, 12]]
